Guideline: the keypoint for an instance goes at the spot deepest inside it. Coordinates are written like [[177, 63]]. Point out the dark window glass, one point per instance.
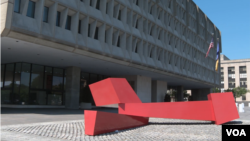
[[8, 82], [17, 6], [68, 22], [23, 97], [136, 24], [58, 16], [64, 80], [45, 14], [5, 96], [17, 80], [55, 98], [137, 2], [85, 94], [136, 50], [96, 33], [98, 4], [48, 78], [37, 77], [89, 30], [118, 42], [119, 15], [93, 78], [79, 27], [57, 79], [38, 97], [2, 74], [106, 34], [31, 9], [107, 8]]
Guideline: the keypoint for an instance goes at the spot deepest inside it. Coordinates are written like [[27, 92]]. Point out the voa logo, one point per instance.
[[236, 132]]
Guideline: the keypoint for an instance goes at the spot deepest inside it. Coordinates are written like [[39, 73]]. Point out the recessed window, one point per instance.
[[31, 9], [79, 26], [150, 55], [136, 24], [68, 22], [136, 50], [137, 3], [98, 4], [89, 30], [17, 6], [58, 16], [118, 42], [119, 15], [45, 14], [96, 33], [107, 4]]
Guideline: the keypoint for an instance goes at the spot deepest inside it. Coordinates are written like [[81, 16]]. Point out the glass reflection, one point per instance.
[[5, 96], [17, 80], [8, 82], [48, 78], [2, 74], [57, 79], [37, 76], [55, 98], [85, 94], [24, 87], [38, 98]]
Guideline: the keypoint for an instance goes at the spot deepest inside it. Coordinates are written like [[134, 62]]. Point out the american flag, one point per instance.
[[210, 46]]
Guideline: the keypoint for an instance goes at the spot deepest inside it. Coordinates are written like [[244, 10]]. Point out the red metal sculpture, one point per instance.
[[220, 108]]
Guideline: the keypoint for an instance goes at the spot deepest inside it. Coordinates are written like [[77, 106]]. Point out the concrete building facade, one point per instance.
[[235, 73], [52, 50]]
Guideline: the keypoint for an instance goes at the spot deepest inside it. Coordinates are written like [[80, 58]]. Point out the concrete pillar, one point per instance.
[[159, 89], [142, 86], [179, 93], [200, 94], [72, 91], [237, 75]]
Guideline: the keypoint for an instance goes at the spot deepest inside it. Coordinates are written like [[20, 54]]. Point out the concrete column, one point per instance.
[[142, 86], [200, 94], [237, 75], [248, 81], [179, 93], [225, 76], [159, 89], [72, 91]]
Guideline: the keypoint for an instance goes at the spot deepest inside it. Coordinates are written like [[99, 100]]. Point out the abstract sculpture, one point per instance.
[[220, 108]]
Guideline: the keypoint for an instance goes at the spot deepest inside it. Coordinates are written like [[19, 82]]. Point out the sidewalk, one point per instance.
[[62, 124]]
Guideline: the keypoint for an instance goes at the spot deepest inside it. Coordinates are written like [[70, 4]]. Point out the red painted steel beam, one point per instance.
[[201, 110], [220, 108], [97, 122], [113, 91]]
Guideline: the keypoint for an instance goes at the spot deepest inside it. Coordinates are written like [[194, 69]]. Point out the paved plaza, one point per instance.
[[62, 124]]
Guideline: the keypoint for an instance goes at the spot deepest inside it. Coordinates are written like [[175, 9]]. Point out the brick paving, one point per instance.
[[158, 129], [66, 129]]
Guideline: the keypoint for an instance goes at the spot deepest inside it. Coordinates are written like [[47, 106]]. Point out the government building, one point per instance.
[[51, 50], [235, 73]]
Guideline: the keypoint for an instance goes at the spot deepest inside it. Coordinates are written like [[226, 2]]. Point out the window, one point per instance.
[[119, 15], [96, 33], [57, 83], [37, 76], [107, 7], [2, 74], [98, 4], [136, 24], [58, 18], [68, 22], [79, 26], [89, 30], [8, 81], [137, 2], [31, 9], [118, 42], [45, 14], [17, 6], [136, 51]]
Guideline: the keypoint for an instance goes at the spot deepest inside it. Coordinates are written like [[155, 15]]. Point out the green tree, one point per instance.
[[239, 91], [185, 95], [216, 90]]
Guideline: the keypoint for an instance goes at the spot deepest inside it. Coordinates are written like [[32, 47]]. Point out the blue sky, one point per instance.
[[232, 18]]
